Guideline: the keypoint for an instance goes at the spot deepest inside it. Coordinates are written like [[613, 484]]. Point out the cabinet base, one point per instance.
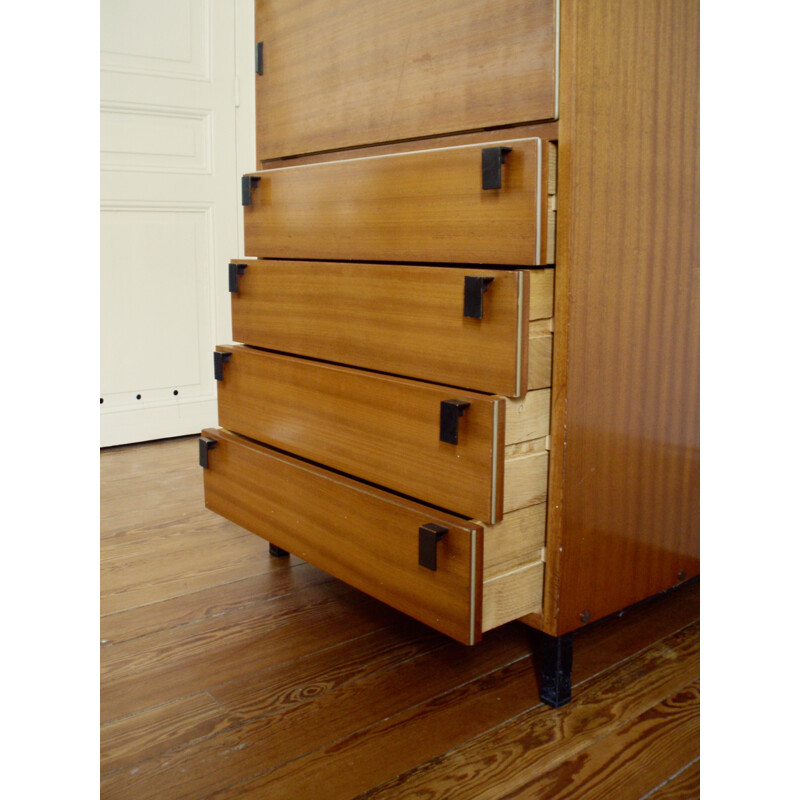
[[278, 552]]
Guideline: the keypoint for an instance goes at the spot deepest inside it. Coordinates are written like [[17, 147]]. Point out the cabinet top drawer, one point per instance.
[[476, 203], [364, 536], [343, 74]]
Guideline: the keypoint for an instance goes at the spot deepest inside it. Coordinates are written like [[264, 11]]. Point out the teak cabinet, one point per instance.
[[468, 377]]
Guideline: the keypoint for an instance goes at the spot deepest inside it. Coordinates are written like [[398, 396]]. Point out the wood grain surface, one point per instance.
[[421, 206], [379, 428], [348, 73], [556, 755], [684, 785], [400, 319], [624, 489], [238, 683], [363, 536]]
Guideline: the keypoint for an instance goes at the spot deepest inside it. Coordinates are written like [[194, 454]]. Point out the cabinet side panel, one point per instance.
[[624, 502]]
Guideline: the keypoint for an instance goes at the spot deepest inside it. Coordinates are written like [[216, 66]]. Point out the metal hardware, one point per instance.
[[585, 616], [492, 159], [206, 444], [260, 58], [429, 536], [234, 271], [276, 551], [474, 289], [682, 575], [555, 686], [249, 182], [219, 360], [449, 413]]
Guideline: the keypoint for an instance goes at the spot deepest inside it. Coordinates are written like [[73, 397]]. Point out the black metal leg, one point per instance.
[[278, 552], [555, 687]]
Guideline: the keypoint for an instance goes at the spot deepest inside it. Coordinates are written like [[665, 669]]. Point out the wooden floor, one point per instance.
[[226, 673]]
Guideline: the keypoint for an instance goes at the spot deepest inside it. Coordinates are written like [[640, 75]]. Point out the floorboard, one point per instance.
[[226, 673], [684, 785]]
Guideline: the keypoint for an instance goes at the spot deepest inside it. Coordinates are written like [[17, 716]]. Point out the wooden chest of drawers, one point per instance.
[[467, 383]]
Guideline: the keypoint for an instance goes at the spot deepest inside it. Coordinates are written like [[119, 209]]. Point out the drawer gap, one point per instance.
[[266, 163]]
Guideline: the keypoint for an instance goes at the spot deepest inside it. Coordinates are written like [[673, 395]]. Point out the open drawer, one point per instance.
[[368, 538], [466, 327], [461, 577], [474, 203], [444, 446]]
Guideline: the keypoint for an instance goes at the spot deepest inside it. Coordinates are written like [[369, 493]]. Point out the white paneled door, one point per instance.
[[170, 208]]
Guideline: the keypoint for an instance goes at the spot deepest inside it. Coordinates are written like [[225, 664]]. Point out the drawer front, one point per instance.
[[382, 429], [341, 74], [422, 206], [363, 536], [405, 320]]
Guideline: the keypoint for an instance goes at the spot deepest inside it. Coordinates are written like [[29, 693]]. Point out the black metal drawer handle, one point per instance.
[[429, 536], [449, 413], [206, 444], [474, 289], [219, 360], [249, 182], [235, 271], [492, 160]]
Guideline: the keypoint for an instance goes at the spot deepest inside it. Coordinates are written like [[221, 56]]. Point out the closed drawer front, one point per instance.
[[410, 321], [336, 75], [421, 206], [382, 429], [366, 537]]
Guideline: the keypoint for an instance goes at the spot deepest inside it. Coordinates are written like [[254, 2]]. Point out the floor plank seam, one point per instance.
[[307, 655], [125, 667], [568, 757], [671, 778], [167, 441], [265, 600], [209, 693], [334, 742], [442, 756], [152, 708], [108, 644]]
